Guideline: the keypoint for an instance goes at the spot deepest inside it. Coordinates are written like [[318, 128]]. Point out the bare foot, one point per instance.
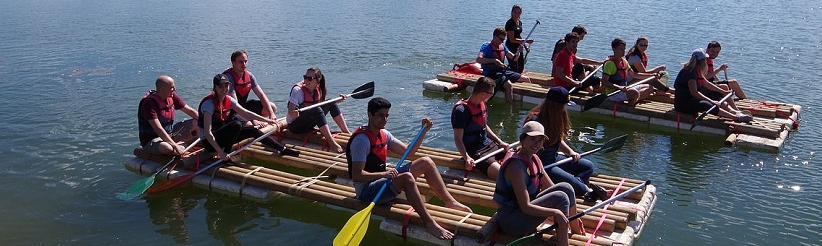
[[576, 227], [439, 232], [458, 206], [336, 147]]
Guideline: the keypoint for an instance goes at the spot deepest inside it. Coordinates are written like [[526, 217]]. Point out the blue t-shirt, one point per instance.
[[488, 52]]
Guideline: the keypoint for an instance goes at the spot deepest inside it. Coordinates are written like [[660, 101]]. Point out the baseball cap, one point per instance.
[[221, 79]]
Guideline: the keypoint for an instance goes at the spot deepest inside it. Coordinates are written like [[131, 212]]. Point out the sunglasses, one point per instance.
[[643, 45], [308, 77]]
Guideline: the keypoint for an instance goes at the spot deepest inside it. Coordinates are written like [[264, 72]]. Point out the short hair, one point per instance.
[[483, 84], [236, 54], [377, 103], [616, 42], [714, 44], [571, 36], [579, 29], [499, 31]]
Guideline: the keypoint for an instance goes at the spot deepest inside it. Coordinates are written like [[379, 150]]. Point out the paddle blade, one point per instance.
[[354, 230], [137, 189], [614, 144], [522, 240], [594, 102], [171, 183], [364, 91]]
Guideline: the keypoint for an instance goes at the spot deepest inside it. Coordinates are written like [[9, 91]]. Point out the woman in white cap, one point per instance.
[[552, 114], [695, 94], [522, 207]]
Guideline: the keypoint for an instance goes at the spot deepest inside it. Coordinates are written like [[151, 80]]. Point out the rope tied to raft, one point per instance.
[[604, 209], [245, 177], [459, 224], [301, 184], [774, 106]]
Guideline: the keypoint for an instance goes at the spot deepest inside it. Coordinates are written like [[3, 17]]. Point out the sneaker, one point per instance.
[[290, 152], [743, 118], [599, 192], [589, 197]]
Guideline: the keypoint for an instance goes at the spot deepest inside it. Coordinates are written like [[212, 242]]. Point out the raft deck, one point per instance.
[[621, 223], [768, 130]]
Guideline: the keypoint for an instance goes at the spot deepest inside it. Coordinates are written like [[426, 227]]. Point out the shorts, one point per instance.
[[501, 77], [366, 191], [622, 96], [484, 165], [153, 146]]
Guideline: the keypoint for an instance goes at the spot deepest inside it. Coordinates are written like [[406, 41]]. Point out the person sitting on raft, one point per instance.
[[566, 62], [366, 154], [242, 83], [472, 136], [713, 51], [221, 130], [491, 57], [617, 73], [553, 115], [639, 63], [694, 93], [311, 90], [155, 117], [522, 206]]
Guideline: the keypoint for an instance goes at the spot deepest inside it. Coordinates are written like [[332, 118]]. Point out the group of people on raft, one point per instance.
[[696, 88], [528, 192]]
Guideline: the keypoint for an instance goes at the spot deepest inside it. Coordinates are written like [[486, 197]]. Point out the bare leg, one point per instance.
[[576, 225], [405, 182], [737, 89], [426, 167], [493, 170], [326, 132], [509, 92], [340, 120]]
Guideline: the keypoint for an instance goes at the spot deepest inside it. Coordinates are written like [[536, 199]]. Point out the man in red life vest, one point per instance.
[[242, 83], [567, 70], [472, 136], [155, 117], [366, 155], [713, 51]]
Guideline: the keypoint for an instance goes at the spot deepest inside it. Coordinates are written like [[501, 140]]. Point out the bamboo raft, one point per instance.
[[621, 224], [768, 130]]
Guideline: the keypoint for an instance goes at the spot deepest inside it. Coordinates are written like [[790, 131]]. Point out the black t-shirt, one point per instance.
[[515, 26]]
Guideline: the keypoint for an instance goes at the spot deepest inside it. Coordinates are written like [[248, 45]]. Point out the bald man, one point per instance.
[[155, 117]]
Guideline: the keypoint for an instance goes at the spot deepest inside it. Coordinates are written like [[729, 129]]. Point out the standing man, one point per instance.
[[155, 117], [472, 136], [242, 83], [713, 51], [366, 154], [566, 61], [491, 56]]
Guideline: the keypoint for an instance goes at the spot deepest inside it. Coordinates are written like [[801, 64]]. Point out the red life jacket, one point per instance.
[[622, 71], [642, 58], [479, 118], [221, 112], [710, 63], [165, 115], [469, 68], [308, 98], [499, 52], [242, 85], [375, 161]]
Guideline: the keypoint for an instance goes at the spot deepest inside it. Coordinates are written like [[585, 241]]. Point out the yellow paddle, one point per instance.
[[354, 230]]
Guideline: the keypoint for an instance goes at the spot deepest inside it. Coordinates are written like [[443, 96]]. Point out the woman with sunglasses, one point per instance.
[[639, 63], [311, 90]]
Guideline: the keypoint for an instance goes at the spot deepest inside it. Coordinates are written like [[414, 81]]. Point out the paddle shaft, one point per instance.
[[176, 157], [617, 142], [495, 152], [578, 215], [575, 89], [699, 118], [400, 162], [338, 98], [524, 41], [631, 85]]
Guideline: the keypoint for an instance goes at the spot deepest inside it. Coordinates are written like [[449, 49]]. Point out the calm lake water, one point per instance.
[[75, 71]]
